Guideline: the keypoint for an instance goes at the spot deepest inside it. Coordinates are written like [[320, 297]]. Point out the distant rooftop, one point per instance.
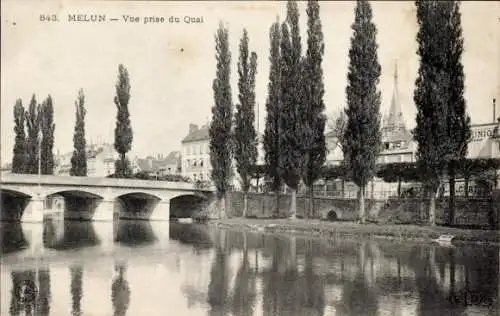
[[196, 133]]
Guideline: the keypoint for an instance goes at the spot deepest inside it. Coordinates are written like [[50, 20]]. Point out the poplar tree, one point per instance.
[[220, 127], [290, 160], [362, 135], [47, 127], [79, 157], [123, 130], [273, 110], [314, 119], [19, 151], [245, 146], [443, 126], [33, 115], [460, 124]]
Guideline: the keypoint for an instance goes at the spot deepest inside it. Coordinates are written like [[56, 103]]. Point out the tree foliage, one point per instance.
[[290, 161], [362, 136], [123, 129], [273, 109], [79, 157], [245, 149], [33, 115], [313, 138], [291, 125], [47, 126], [443, 126], [220, 127], [19, 151]]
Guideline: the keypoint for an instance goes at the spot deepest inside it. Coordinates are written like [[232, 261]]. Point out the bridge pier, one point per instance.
[[33, 213], [104, 211], [161, 212]]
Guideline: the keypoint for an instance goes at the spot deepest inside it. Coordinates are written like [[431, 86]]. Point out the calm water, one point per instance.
[[140, 268]]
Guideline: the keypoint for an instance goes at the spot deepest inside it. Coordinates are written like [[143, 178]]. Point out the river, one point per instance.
[[142, 268]]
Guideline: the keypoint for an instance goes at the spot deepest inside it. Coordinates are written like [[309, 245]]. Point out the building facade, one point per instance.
[[100, 161], [195, 153]]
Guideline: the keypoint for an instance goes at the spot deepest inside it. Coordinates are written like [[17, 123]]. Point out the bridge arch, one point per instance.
[[135, 204], [86, 193], [19, 193], [187, 204], [13, 203]]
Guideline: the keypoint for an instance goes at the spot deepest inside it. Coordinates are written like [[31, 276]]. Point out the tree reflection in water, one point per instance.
[[218, 288], [28, 297], [244, 293], [120, 291], [76, 290]]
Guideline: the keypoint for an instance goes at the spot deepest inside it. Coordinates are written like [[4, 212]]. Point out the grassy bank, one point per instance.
[[351, 229]]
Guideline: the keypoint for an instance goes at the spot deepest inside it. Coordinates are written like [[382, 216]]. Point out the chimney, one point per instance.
[[193, 128]]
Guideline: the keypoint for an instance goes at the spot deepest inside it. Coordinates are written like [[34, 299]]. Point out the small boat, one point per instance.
[[445, 240]]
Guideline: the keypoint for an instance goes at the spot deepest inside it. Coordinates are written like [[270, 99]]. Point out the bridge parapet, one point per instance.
[[30, 179]]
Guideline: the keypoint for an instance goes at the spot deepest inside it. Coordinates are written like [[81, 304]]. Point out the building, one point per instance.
[[160, 165], [100, 161], [195, 153]]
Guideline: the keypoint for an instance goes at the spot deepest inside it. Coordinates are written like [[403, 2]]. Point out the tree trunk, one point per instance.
[[221, 206], [311, 201], [245, 204], [277, 211], [466, 187], [293, 204], [399, 187], [342, 182], [362, 215], [432, 208], [451, 201]]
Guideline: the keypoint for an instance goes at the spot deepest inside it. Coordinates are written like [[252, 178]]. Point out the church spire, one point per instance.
[[395, 73]]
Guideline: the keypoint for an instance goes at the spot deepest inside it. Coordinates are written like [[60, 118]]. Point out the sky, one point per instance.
[[172, 65]]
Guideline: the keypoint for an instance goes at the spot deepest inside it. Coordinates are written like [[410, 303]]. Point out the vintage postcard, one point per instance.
[[250, 158]]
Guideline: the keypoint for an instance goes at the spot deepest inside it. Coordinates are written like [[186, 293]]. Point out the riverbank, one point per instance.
[[326, 229]]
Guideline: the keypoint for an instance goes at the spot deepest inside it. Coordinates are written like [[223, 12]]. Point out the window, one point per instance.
[[201, 176], [201, 163], [188, 163], [194, 163], [194, 176]]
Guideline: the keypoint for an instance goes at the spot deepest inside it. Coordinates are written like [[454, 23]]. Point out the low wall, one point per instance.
[[469, 212], [264, 206]]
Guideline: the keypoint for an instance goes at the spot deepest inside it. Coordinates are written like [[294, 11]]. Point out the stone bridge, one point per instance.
[[29, 198]]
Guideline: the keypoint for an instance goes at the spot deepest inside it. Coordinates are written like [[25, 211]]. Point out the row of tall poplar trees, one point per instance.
[[34, 137], [41, 118], [294, 139]]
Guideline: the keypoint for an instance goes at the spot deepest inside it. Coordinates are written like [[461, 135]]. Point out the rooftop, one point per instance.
[[196, 134]]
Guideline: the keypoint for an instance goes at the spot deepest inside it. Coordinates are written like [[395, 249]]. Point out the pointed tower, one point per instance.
[[394, 129]]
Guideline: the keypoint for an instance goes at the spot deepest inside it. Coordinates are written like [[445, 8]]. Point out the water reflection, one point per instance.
[[120, 291], [12, 237], [76, 289], [197, 236], [253, 274], [64, 234], [30, 293], [134, 233]]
